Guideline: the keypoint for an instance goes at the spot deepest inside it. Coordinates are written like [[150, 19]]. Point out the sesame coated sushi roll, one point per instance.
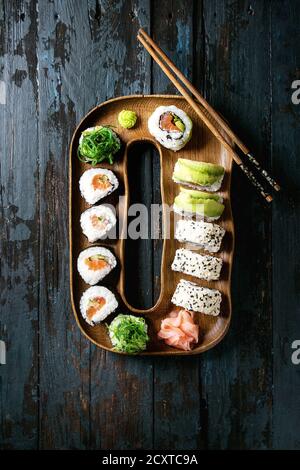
[[198, 175], [201, 266], [96, 304], [196, 298], [206, 235], [97, 183], [95, 263], [171, 127], [97, 221]]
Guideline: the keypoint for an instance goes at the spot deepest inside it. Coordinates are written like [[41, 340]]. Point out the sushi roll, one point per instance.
[[171, 127], [97, 183], [196, 298], [97, 221], [95, 263], [198, 175], [96, 304], [191, 202], [201, 266], [203, 234]]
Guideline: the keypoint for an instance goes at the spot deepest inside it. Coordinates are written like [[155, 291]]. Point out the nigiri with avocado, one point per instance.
[[192, 202], [198, 175]]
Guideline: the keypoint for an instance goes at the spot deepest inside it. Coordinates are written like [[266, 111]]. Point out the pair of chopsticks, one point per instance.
[[209, 116]]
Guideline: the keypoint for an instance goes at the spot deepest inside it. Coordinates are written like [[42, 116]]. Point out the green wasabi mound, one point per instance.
[[127, 119], [128, 334], [199, 202], [198, 173]]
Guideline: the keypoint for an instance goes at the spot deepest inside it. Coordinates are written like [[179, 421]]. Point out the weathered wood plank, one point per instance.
[[237, 374], [64, 61], [176, 381], [19, 225], [121, 387], [285, 239]]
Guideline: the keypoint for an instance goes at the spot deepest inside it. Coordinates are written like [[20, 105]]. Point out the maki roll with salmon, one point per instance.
[[97, 183], [97, 221], [96, 304], [198, 175], [95, 263], [171, 127]]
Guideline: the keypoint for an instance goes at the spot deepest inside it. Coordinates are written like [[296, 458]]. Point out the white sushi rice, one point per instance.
[[196, 298], [211, 188], [201, 266], [90, 230], [93, 293], [88, 192], [91, 276], [203, 234], [198, 215], [172, 140]]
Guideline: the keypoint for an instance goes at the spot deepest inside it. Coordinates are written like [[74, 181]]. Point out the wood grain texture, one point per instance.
[[178, 416], [285, 36], [57, 61], [203, 147], [19, 226], [237, 376]]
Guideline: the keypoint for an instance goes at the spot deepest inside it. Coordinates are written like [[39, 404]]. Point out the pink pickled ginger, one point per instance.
[[179, 330]]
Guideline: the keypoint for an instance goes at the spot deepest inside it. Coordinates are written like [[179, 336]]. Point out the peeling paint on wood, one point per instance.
[[58, 60]]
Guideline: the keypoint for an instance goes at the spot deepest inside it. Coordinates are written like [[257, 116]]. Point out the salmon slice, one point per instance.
[[101, 181], [166, 122], [179, 330], [95, 262], [94, 306]]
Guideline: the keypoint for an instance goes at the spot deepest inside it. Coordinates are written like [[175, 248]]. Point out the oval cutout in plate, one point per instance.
[[142, 252], [203, 146]]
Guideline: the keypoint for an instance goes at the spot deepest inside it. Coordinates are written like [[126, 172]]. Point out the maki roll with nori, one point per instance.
[[95, 263], [171, 127], [97, 183], [96, 304], [97, 221]]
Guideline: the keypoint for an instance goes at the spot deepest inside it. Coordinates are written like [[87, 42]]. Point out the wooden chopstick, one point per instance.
[[206, 120], [212, 112]]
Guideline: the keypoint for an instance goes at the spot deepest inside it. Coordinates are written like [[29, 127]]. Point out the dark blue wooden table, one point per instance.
[[58, 59]]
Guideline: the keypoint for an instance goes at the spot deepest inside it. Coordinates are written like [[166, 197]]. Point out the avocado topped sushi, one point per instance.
[[171, 127], [198, 175], [202, 204]]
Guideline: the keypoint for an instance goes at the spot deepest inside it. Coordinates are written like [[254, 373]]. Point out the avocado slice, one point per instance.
[[202, 173], [207, 206]]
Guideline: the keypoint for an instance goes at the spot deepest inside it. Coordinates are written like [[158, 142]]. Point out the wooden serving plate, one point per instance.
[[203, 146]]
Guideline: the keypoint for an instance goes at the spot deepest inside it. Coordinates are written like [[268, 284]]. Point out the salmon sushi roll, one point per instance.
[[96, 304], [171, 127], [95, 263], [97, 221], [97, 183]]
